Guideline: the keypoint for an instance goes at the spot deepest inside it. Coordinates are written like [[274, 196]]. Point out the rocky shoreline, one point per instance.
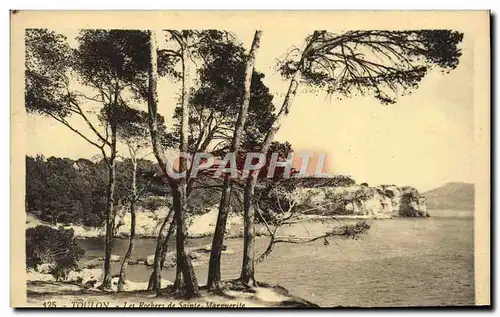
[[76, 296], [357, 202], [149, 222], [89, 273]]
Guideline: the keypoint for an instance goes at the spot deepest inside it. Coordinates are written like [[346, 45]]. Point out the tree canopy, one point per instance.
[[382, 63], [215, 100]]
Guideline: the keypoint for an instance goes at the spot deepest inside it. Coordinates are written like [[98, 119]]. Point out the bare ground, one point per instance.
[[59, 294]]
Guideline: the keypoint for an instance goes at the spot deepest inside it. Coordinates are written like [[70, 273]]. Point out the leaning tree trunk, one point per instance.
[[170, 232], [247, 271], [106, 284], [214, 272], [161, 244], [133, 199], [178, 189]]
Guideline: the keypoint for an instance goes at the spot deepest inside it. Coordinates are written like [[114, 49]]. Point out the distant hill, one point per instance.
[[451, 196]]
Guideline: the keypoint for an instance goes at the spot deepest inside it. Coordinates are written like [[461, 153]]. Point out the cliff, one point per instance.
[[148, 224], [360, 201], [385, 201]]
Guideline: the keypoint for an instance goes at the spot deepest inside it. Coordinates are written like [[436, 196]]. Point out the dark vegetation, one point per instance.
[[56, 247], [62, 190], [66, 191]]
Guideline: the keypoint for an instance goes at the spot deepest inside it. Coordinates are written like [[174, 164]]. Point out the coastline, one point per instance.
[[325, 298], [202, 226]]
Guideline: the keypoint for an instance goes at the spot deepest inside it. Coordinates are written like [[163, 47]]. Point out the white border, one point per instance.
[[187, 5]]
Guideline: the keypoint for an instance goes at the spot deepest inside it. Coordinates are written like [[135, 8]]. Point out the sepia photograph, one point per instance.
[[231, 159]]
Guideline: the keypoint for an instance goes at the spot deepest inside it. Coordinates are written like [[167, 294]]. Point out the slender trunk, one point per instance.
[[110, 207], [183, 260], [247, 271], [133, 188], [170, 232], [155, 278], [180, 192], [179, 282], [153, 126], [106, 284], [214, 274]]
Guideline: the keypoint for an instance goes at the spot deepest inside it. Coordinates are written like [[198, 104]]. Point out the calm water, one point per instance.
[[400, 262]]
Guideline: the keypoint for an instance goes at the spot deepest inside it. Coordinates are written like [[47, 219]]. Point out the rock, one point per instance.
[[259, 232], [45, 268], [32, 275], [207, 248], [135, 286], [149, 261], [170, 260], [114, 258], [83, 276], [204, 225], [90, 284], [148, 222], [413, 204], [203, 249], [194, 255], [92, 263], [380, 202]]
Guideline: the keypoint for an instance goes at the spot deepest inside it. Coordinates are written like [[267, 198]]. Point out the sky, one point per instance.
[[424, 140]]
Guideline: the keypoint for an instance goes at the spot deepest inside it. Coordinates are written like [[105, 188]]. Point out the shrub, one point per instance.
[[153, 203], [54, 246]]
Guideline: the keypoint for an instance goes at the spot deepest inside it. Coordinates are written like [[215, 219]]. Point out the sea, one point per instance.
[[398, 262]]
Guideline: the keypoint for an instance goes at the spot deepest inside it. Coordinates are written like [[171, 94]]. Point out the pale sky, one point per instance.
[[424, 140]]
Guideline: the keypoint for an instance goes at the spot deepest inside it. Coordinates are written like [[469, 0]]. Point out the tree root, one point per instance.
[[240, 285]]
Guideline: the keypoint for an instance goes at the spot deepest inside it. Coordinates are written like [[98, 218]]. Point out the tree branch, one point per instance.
[[63, 121], [80, 112]]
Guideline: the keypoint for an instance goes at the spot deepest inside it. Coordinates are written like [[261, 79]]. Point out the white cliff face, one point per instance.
[[148, 223], [360, 200], [384, 201]]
